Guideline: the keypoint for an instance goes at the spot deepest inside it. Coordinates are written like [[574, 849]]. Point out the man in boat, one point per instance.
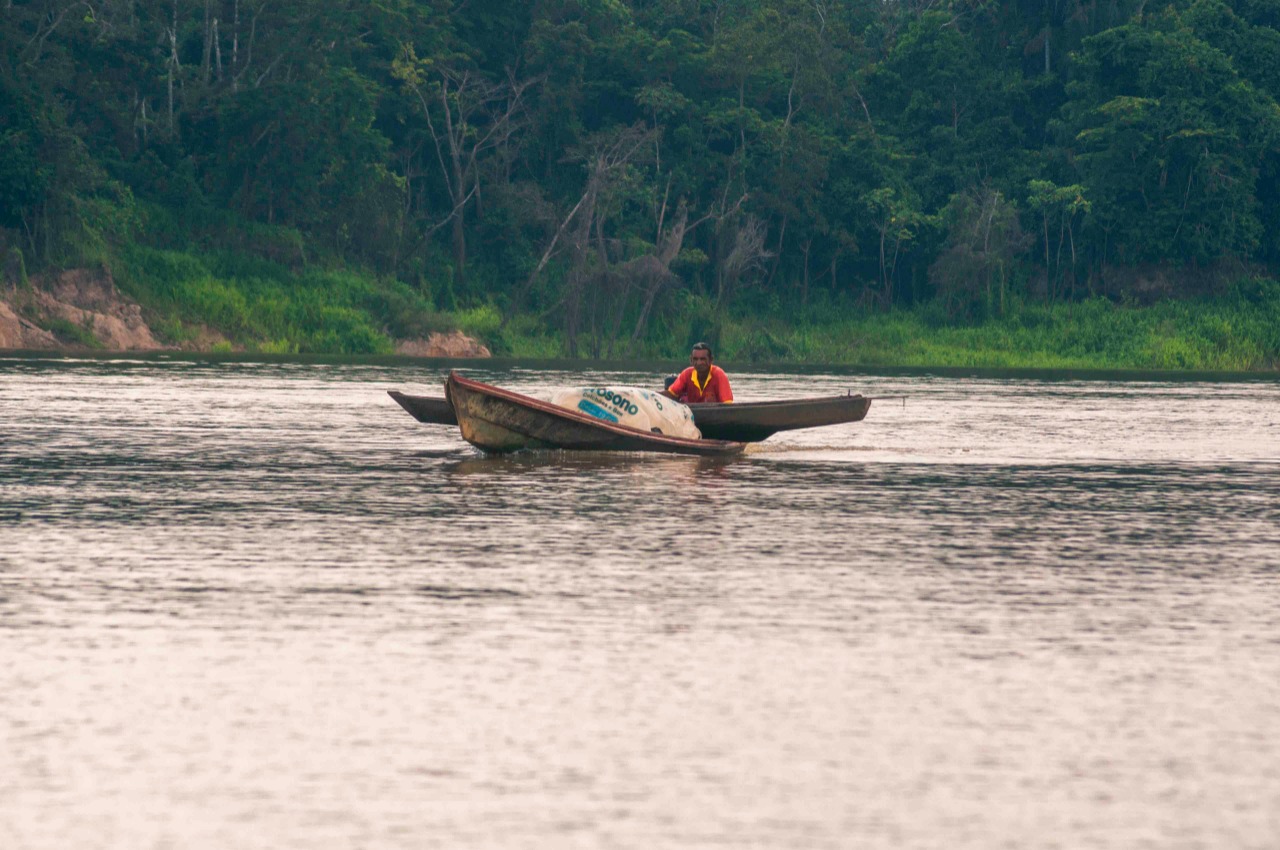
[[702, 382]]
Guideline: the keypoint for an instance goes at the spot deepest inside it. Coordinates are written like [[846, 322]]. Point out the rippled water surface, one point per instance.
[[256, 605]]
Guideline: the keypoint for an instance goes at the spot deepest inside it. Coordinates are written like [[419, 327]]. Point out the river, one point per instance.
[[256, 605]]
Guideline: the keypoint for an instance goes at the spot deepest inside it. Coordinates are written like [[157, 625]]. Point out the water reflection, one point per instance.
[[638, 465]]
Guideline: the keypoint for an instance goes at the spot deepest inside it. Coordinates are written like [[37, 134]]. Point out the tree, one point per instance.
[[950, 107], [984, 241], [1060, 208], [897, 221], [468, 117], [1167, 139]]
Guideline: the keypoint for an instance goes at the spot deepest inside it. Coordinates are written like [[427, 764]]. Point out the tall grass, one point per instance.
[[1237, 332], [260, 305]]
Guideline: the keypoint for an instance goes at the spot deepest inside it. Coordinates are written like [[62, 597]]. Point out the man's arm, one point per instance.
[[678, 386]]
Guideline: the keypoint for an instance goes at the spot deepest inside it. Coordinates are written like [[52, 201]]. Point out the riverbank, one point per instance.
[[171, 301], [153, 299], [1232, 333], [1237, 331]]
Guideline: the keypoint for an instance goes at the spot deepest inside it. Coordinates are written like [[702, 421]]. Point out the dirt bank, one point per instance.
[[452, 344], [74, 309]]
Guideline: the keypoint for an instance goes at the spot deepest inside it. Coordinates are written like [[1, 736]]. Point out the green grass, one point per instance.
[[1237, 332], [260, 305], [69, 333]]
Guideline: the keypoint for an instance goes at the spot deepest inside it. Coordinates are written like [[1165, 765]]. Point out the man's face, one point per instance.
[[700, 359]]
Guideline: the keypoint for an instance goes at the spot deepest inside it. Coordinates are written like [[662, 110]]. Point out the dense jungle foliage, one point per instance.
[[611, 175]]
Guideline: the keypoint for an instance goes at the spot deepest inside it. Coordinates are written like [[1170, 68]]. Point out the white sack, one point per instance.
[[632, 406]]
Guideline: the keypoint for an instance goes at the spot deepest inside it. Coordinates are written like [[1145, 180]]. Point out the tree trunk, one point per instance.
[[777, 254], [206, 57], [804, 285], [457, 184], [459, 240], [235, 46], [217, 52]]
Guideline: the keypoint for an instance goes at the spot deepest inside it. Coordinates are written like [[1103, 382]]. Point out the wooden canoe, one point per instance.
[[753, 421], [498, 420], [746, 421]]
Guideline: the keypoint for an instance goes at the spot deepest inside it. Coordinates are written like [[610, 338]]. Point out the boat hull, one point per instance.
[[753, 421], [749, 422], [429, 410], [497, 420]]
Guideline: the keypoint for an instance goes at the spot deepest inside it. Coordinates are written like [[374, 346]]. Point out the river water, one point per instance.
[[256, 605]]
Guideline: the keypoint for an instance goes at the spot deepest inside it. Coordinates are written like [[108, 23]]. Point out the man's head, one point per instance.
[[700, 358]]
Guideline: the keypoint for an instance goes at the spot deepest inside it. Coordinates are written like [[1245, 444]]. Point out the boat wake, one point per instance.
[[768, 449]]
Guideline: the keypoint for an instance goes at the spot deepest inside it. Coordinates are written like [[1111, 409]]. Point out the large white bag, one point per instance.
[[632, 406]]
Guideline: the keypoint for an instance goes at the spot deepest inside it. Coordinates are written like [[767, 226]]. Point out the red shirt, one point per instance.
[[687, 389]]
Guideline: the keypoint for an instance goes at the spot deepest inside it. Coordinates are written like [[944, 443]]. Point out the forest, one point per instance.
[[790, 179]]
